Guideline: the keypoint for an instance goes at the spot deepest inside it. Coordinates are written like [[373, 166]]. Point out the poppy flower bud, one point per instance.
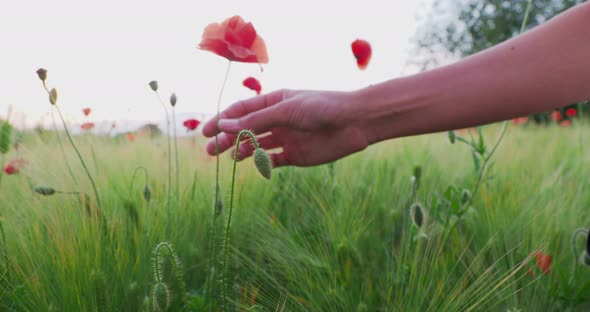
[[147, 194], [417, 214], [465, 196], [44, 190], [161, 297], [42, 73], [218, 205], [262, 162], [173, 99], [452, 136], [5, 136], [154, 85], [53, 96]]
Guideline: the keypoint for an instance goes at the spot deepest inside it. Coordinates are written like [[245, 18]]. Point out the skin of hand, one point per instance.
[[542, 69]]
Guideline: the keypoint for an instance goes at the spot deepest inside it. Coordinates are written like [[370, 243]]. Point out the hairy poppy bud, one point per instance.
[[465, 196], [44, 190], [452, 136], [161, 297], [147, 194], [417, 215], [5, 137], [173, 99], [53, 96], [154, 85], [42, 73], [262, 162]]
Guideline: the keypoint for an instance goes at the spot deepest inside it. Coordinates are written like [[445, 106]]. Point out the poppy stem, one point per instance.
[[229, 214], [175, 153], [61, 146], [133, 178], [213, 259], [575, 251], [80, 157], [168, 213]]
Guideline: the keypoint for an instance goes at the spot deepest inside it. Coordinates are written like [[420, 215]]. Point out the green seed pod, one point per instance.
[[465, 196], [262, 162], [417, 214], [161, 297], [452, 136], [44, 190], [5, 137], [173, 99], [147, 194], [53, 96], [42, 73], [154, 85]]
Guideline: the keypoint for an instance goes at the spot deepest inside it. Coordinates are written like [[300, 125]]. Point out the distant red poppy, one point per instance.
[[14, 166], [571, 112], [361, 49], [566, 123], [131, 137], [10, 169], [556, 116], [191, 124], [235, 40], [543, 262], [520, 120], [252, 84], [87, 126], [86, 111]]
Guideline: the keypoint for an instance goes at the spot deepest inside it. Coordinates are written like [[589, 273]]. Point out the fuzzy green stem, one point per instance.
[[231, 205], [575, 251], [168, 212], [175, 267], [135, 174], [213, 259], [176, 153], [79, 157]]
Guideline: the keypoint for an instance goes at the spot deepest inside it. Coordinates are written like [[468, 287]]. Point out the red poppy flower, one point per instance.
[[131, 137], [191, 124], [556, 116], [10, 169], [235, 40], [520, 120], [14, 166], [87, 126], [543, 262], [252, 84], [571, 112], [566, 123], [86, 111], [362, 51]]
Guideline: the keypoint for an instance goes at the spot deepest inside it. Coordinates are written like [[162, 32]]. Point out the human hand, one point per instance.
[[311, 127]]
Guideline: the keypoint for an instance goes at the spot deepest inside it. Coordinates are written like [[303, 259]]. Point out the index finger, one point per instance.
[[245, 107]]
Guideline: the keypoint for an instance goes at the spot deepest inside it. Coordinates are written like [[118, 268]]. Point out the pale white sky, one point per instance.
[[102, 54]]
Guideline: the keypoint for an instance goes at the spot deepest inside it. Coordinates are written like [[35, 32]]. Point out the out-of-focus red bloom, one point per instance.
[[87, 126], [571, 112], [86, 111], [556, 116], [131, 137], [14, 166], [252, 84], [235, 40], [361, 49], [191, 124], [520, 120], [566, 123], [543, 262]]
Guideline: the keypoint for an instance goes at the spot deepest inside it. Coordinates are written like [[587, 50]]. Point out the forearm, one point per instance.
[[540, 70]]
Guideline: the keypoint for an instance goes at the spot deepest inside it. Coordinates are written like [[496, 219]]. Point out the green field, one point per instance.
[[314, 239]]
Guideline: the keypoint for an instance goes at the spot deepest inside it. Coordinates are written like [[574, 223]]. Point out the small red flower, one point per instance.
[[362, 51], [87, 126], [571, 112], [191, 124], [566, 123], [86, 111], [10, 169], [543, 262], [520, 120], [252, 84], [235, 40], [131, 137], [556, 116]]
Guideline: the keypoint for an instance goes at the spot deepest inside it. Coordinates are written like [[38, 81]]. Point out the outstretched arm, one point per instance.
[[539, 70]]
